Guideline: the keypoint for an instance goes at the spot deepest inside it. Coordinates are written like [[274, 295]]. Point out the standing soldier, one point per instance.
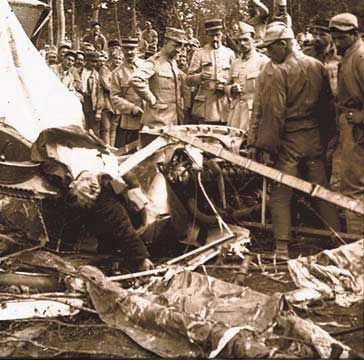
[[258, 16], [125, 100], [158, 81], [290, 90], [243, 74], [105, 111], [346, 36], [209, 71], [150, 35], [323, 49], [95, 37]]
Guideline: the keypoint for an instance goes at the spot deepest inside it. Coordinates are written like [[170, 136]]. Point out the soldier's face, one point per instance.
[[85, 189], [321, 38], [173, 48], [52, 59], [277, 51], [215, 39], [68, 62], [343, 40], [96, 29], [245, 43], [80, 61], [117, 60], [129, 53], [61, 53]]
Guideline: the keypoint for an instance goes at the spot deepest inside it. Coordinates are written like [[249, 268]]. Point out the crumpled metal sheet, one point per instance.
[[189, 315], [336, 274]]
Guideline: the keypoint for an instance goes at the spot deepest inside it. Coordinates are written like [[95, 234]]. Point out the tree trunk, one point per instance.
[[50, 26], [61, 22], [96, 9]]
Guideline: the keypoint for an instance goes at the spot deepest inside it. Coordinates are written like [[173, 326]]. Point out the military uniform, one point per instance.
[[351, 119], [210, 105], [66, 76], [244, 71], [124, 98], [159, 82], [286, 126]]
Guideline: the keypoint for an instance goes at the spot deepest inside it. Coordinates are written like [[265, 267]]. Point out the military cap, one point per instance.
[[244, 28], [113, 43], [92, 55], [320, 23], [178, 35], [129, 42], [71, 53], [51, 52], [64, 46], [213, 24], [79, 52], [275, 31], [344, 22]]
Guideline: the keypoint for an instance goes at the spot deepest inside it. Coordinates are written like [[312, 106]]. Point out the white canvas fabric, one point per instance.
[[32, 98]]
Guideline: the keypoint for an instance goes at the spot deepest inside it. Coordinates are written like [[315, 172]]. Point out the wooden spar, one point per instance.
[[210, 253], [313, 190]]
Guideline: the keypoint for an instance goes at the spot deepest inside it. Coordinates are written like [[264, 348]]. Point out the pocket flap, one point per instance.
[[165, 74], [160, 106], [252, 75]]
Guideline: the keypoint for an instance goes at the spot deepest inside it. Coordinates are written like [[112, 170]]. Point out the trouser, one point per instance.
[[300, 147], [126, 136], [90, 116], [348, 169], [109, 124], [352, 184]]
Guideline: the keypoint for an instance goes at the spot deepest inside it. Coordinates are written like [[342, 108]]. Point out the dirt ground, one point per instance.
[[85, 335]]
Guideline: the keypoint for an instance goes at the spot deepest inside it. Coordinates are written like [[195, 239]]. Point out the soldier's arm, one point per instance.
[[262, 9], [194, 71], [120, 104], [104, 76], [256, 117], [140, 81], [273, 120]]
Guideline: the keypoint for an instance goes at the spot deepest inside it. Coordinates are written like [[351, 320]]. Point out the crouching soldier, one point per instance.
[[96, 199]]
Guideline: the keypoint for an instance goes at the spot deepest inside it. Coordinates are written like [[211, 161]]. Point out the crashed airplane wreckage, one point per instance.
[[184, 313], [187, 179]]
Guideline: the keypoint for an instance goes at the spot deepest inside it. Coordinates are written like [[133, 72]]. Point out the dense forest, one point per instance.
[[71, 18]]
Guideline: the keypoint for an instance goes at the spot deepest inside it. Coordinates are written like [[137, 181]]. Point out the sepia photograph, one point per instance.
[[182, 179]]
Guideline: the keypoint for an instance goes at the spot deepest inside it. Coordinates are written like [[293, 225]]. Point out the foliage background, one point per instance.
[[182, 13]]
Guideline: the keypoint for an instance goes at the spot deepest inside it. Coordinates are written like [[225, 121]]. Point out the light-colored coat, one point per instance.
[[160, 78], [124, 97], [208, 105], [244, 72]]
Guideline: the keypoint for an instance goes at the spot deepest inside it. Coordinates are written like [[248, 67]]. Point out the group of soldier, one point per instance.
[[294, 103]]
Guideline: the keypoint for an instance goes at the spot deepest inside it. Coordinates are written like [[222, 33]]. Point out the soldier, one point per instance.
[[125, 100], [209, 71], [51, 58], [159, 82], [323, 49], [346, 36], [95, 37], [143, 44], [190, 38], [290, 91], [88, 83], [63, 48], [113, 46], [258, 16], [150, 35], [105, 111], [243, 74], [64, 70]]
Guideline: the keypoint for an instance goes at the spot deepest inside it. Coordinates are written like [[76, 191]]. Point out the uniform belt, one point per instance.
[[301, 118], [352, 108]]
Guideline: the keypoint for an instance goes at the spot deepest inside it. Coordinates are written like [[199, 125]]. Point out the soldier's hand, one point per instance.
[[206, 76], [146, 265], [235, 89], [266, 158], [136, 111], [252, 152]]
